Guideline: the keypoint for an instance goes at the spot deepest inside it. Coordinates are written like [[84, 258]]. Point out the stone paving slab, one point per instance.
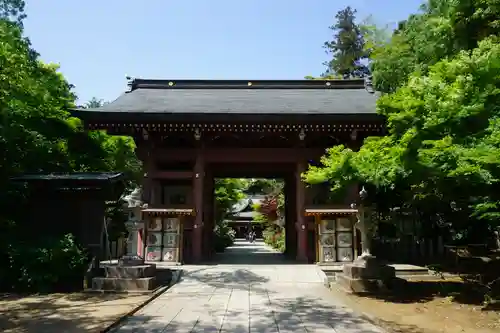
[[253, 298]]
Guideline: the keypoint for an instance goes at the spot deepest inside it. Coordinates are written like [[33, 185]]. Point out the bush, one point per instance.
[[50, 265], [223, 236], [268, 235], [280, 241], [275, 237]]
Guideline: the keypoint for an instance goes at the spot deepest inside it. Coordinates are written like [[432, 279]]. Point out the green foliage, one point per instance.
[[441, 29], [224, 236], [33, 99], [324, 77], [263, 186], [271, 209], [374, 36], [112, 152], [38, 135], [13, 10], [94, 103], [274, 236], [259, 217], [227, 192], [50, 264], [441, 75], [273, 206]]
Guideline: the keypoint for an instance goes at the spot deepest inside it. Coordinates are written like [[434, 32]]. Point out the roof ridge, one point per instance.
[[138, 83]]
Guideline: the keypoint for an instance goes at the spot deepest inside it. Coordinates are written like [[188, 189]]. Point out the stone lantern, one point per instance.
[[131, 273], [366, 273], [133, 207], [364, 224]]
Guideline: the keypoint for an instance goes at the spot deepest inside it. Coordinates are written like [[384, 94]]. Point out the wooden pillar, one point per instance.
[[144, 153], [207, 215], [354, 144], [198, 180], [301, 225], [147, 180], [290, 220], [156, 193]]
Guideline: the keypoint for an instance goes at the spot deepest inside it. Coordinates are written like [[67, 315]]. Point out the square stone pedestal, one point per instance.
[[366, 274], [126, 277]]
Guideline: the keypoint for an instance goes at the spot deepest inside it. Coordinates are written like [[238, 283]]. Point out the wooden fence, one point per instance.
[[410, 249], [402, 238]]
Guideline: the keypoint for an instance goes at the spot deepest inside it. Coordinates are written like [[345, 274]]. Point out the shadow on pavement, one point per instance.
[[73, 313], [214, 299], [239, 279], [287, 315]]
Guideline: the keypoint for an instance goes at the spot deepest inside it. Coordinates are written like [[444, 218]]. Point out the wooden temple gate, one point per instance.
[[188, 132]]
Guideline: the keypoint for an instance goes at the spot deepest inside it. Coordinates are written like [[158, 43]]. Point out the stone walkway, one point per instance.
[[270, 295]]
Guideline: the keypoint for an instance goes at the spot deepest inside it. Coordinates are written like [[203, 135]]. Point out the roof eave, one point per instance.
[[96, 115]]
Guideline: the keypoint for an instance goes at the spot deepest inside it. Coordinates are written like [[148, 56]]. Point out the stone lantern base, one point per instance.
[[366, 274], [133, 275]]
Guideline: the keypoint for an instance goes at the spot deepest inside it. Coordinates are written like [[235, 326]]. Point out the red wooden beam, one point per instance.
[[239, 155]]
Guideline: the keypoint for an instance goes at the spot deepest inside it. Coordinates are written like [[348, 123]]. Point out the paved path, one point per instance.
[[271, 296]]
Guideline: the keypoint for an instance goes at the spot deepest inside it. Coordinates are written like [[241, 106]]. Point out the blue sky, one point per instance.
[[99, 42]]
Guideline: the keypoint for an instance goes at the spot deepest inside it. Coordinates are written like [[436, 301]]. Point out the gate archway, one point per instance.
[[189, 131]]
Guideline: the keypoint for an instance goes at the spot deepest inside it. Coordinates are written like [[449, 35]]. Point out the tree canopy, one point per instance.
[[227, 192], [440, 74], [38, 135], [347, 46]]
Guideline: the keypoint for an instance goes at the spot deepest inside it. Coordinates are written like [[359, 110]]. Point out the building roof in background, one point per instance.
[[247, 203]]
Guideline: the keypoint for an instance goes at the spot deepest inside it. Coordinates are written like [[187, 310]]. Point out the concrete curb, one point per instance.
[[176, 276]]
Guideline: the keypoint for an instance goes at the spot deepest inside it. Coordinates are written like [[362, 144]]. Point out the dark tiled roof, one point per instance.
[[246, 204], [110, 184], [245, 215], [266, 97]]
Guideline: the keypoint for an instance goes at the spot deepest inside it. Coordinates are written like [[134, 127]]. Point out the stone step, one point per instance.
[[412, 277], [429, 277], [404, 269], [123, 284], [401, 269]]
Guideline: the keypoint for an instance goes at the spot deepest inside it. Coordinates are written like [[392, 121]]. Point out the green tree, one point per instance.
[[227, 192], [347, 46], [374, 36], [264, 186], [323, 77], [441, 73], [38, 135], [117, 153], [33, 100], [94, 103], [441, 29], [13, 10]]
